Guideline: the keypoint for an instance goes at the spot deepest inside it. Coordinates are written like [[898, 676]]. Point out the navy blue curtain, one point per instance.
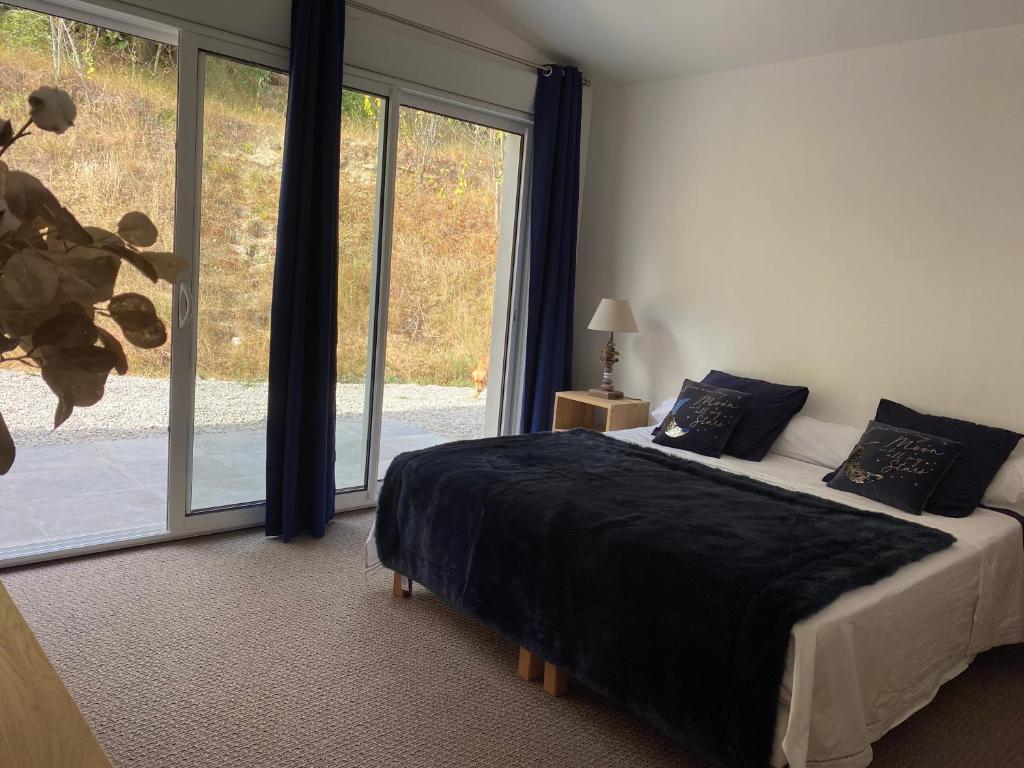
[[303, 330], [554, 208]]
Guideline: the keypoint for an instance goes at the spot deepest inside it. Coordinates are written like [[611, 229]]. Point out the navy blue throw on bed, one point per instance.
[[666, 585]]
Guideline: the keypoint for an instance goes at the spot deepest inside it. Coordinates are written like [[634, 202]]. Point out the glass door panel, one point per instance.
[[244, 109], [362, 143], [103, 474], [453, 244], [243, 139]]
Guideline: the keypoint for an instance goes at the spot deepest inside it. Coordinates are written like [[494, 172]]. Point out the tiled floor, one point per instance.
[[76, 489]]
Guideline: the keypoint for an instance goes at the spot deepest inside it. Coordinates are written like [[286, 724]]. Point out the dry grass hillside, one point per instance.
[[119, 156]]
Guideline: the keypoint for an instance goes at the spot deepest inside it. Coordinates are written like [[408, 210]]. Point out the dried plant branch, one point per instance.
[[57, 277], [20, 134]]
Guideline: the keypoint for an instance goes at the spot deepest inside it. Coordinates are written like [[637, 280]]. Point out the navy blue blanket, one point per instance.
[[666, 585]]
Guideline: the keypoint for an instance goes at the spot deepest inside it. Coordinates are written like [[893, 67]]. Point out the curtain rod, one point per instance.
[[453, 38]]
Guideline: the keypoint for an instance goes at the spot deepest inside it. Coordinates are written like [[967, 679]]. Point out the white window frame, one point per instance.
[[404, 94], [192, 48], [102, 16]]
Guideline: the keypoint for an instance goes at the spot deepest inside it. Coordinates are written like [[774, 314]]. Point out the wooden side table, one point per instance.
[[40, 725], [581, 409]]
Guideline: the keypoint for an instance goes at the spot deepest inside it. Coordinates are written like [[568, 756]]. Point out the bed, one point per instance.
[[878, 653]]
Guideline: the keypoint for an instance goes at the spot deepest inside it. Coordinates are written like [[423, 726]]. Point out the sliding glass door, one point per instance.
[[363, 123], [243, 117], [189, 128], [243, 110], [103, 474], [451, 264]]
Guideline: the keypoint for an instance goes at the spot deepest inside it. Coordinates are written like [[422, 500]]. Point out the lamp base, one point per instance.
[[607, 394]]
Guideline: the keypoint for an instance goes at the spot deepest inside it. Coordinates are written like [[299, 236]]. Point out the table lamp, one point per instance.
[[612, 315]]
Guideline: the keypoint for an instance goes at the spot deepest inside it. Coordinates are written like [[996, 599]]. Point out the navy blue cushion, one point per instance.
[[898, 467], [985, 450], [769, 411], [702, 418]]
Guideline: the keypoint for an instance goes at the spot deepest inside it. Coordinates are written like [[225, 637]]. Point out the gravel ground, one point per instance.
[[137, 407]]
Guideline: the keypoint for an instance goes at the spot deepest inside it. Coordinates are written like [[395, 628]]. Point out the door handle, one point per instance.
[[184, 305]]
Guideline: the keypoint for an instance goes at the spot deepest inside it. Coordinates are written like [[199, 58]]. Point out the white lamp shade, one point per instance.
[[613, 315]]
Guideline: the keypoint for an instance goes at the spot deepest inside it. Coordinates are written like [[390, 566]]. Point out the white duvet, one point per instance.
[[880, 653]]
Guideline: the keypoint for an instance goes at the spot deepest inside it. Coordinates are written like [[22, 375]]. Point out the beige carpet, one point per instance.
[[234, 651]]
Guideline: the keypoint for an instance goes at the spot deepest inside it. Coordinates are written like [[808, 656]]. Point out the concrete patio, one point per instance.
[[74, 489]]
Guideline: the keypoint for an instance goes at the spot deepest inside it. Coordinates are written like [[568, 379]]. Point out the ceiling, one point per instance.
[[633, 40]]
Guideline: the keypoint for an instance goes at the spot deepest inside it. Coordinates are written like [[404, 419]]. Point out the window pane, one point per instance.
[[454, 230], [244, 119], [105, 469], [243, 139], [362, 119]]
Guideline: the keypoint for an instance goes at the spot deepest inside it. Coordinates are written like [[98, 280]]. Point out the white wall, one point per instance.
[[852, 222]]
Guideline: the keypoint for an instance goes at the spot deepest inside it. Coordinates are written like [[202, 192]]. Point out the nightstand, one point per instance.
[[580, 409]]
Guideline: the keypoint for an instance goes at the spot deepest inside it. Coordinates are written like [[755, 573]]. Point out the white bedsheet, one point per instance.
[[880, 653]]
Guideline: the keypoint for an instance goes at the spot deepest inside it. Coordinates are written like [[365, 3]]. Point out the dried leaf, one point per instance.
[[110, 342], [68, 329], [7, 450], [130, 303], [9, 223], [89, 359], [11, 246], [93, 251], [80, 290], [135, 259], [52, 109], [102, 237], [90, 279], [69, 228], [29, 199], [63, 412], [140, 263], [29, 232], [152, 336], [137, 229], [15, 321], [168, 265], [30, 279], [136, 316], [79, 388], [55, 245]]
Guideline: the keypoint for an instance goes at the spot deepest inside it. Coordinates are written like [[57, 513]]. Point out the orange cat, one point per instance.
[[480, 375]]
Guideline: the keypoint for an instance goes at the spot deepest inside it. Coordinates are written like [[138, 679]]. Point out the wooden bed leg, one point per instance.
[[556, 681], [402, 586], [531, 666]]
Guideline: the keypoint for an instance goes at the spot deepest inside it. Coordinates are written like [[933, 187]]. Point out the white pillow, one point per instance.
[[658, 414], [817, 442], [1006, 491]]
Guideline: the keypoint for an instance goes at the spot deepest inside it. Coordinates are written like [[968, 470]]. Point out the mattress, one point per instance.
[[880, 653]]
